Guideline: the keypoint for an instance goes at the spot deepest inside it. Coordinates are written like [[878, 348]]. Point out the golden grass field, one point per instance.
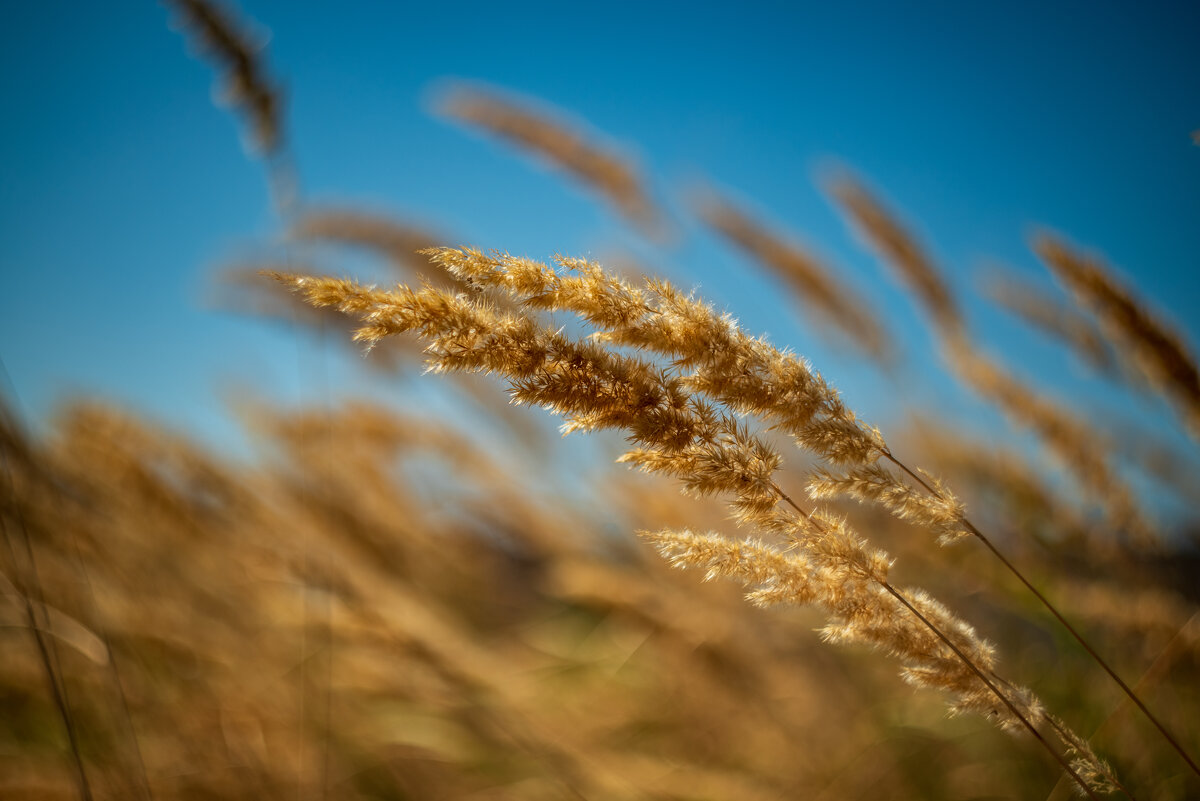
[[392, 601]]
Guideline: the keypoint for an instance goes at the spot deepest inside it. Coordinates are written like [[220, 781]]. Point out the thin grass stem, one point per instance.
[[966, 660], [991, 546]]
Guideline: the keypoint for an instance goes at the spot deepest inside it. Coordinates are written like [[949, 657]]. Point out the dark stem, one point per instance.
[[1057, 616], [965, 659], [991, 686], [56, 691], [112, 662]]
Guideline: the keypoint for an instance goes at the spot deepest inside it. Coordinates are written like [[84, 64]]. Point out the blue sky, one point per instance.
[[123, 188]]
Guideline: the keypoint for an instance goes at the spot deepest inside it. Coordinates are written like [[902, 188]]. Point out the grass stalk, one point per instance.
[[1099, 660]]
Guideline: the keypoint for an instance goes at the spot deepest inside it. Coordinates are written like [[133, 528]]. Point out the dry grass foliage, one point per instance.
[[436, 603]]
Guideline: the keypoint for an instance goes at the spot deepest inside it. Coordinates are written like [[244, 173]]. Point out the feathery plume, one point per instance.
[[940, 512], [1143, 338], [816, 289], [606, 172], [714, 355], [936, 650], [247, 87], [900, 250], [397, 241], [1054, 318]]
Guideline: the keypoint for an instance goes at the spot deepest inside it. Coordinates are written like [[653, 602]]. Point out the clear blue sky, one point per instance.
[[122, 187]]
